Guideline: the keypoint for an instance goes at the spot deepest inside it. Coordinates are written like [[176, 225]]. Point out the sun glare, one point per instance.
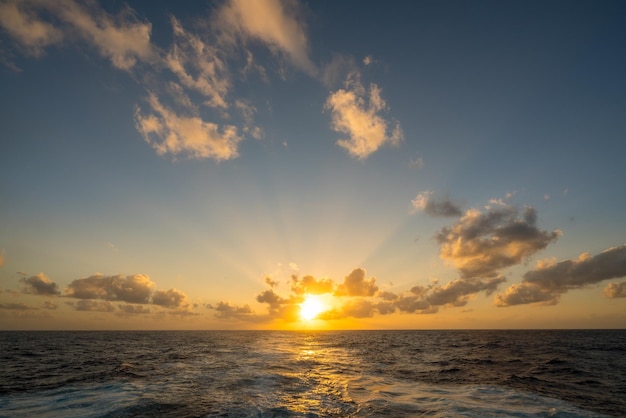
[[311, 307]]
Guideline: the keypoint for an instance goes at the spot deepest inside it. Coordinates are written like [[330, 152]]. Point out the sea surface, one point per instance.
[[313, 374]]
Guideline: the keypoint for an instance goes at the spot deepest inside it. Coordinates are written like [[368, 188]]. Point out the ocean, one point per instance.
[[313, 374]]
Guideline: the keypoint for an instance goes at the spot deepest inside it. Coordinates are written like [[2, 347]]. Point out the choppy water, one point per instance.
[[313, 374]]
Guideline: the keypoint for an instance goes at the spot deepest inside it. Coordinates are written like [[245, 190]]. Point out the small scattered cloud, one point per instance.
[[271, 282], [550, 280], [417, 162], [546, 197], [433, 205], [358, 112], [368, 60], [39, 284], [615, 290]]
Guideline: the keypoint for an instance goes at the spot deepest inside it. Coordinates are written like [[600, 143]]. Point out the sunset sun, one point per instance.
[[311, 307]]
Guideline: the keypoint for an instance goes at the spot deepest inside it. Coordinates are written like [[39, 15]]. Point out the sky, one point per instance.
[[285, 164]]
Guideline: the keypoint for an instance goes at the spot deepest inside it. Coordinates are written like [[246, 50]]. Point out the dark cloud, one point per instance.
[[615, 290], [434, 205], [279, 307], [311, 285], [355, 284], [39, 285], [133, 309], [480, 244], [92, 305], [16, 306], [549, 280], [171, 298], [49, 305], [132, 289], [457, 292], [225, 310], [271, 282]]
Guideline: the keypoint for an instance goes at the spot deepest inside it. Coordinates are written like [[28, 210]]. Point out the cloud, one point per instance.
[[356, 111], [88, 305], [49, 305], [551, 279], [39, 284], [615, 290], [417, 163], [436, 206], [133, 309], [482, 243], [198, 66], [132, 289], [273, 22], [122, 38], [226, 311], [271, 282], [170, 133], [171, 298], [311, 285], [16, 306], [355, 284], [21, 20]]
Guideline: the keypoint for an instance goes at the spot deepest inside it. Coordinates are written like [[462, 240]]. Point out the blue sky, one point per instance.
[[214, 164]]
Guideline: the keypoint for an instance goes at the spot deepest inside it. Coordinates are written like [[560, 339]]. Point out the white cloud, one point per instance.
[[356, 112], [170, 133]]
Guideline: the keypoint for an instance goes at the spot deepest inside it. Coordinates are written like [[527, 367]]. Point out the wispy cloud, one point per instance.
[[23, 23], [198, 66], [275, 23], [551, 279], [358, 112], [123, 39]]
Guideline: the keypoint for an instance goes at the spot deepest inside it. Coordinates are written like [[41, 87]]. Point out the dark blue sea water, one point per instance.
[[313, 374]]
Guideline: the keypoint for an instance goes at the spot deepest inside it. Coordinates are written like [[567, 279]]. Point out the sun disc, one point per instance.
[[311, 307]]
